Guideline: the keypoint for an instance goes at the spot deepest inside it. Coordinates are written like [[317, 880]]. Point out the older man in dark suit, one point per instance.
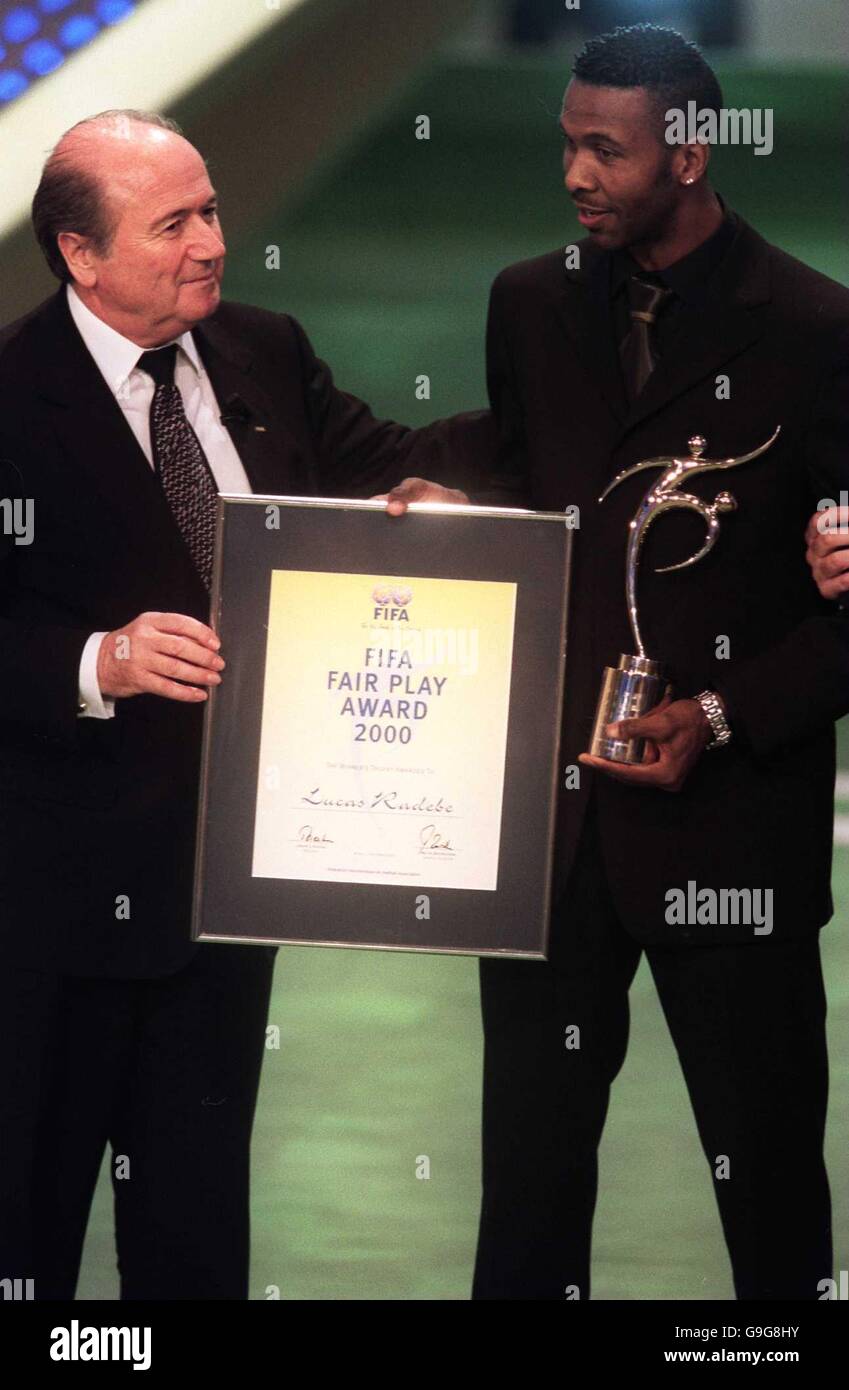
[[126, 402], [675, 318]]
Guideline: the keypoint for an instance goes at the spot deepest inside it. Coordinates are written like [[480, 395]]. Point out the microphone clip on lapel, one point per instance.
[[235, 411]]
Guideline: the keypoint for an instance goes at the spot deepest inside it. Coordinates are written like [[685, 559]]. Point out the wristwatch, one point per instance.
[[712, 707]]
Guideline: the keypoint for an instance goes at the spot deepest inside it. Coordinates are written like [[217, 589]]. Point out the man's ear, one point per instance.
[[78, 257], [690, 162]]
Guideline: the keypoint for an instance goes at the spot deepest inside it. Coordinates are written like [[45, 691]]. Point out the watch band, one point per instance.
[[716, 718]]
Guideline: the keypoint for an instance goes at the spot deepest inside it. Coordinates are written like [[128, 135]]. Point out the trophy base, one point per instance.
[[628, 691]]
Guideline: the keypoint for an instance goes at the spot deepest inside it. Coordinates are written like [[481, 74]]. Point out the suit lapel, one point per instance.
[[705, 338], [271, 456], [97, 437], [709, 336]]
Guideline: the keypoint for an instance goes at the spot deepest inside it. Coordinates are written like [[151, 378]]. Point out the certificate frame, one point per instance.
[[260, 536]]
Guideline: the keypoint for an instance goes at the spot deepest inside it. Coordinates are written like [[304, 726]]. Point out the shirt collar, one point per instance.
[[115, 355], [687, 277]]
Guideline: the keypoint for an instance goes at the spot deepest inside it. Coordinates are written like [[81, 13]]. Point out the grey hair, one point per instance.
[[69, 198]]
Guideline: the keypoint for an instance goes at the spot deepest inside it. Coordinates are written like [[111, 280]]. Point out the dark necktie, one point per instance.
[[636, 350], [180, 462]]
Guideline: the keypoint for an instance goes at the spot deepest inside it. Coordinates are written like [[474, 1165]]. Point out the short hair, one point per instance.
[[70, 198], [659, 59]]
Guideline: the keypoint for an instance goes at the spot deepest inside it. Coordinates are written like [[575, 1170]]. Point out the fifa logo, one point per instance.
[[390, 603]]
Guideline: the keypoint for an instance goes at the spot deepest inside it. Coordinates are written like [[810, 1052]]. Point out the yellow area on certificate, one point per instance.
[[384, 729]]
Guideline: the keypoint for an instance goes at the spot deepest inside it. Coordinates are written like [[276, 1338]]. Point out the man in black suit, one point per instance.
[[114, 1026], [674, 318]]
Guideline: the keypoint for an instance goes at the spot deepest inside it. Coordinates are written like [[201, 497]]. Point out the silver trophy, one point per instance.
[[637, 684]]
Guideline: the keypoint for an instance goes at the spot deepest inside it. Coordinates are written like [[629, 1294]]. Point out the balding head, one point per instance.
[[126, 212], [71, 196]]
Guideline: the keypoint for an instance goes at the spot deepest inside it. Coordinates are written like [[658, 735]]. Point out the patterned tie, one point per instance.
[[638, 359], [180, 462]]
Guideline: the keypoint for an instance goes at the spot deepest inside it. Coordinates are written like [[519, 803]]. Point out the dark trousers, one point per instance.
[[166, 1071], [748, 1023]]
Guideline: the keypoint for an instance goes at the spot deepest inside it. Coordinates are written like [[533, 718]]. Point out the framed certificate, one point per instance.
[[380, 759]]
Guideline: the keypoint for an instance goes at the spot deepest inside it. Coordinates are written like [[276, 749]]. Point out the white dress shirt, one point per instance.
[[116, 356]]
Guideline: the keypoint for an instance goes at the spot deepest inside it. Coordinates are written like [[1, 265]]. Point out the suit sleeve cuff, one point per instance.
[[92, 705]]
